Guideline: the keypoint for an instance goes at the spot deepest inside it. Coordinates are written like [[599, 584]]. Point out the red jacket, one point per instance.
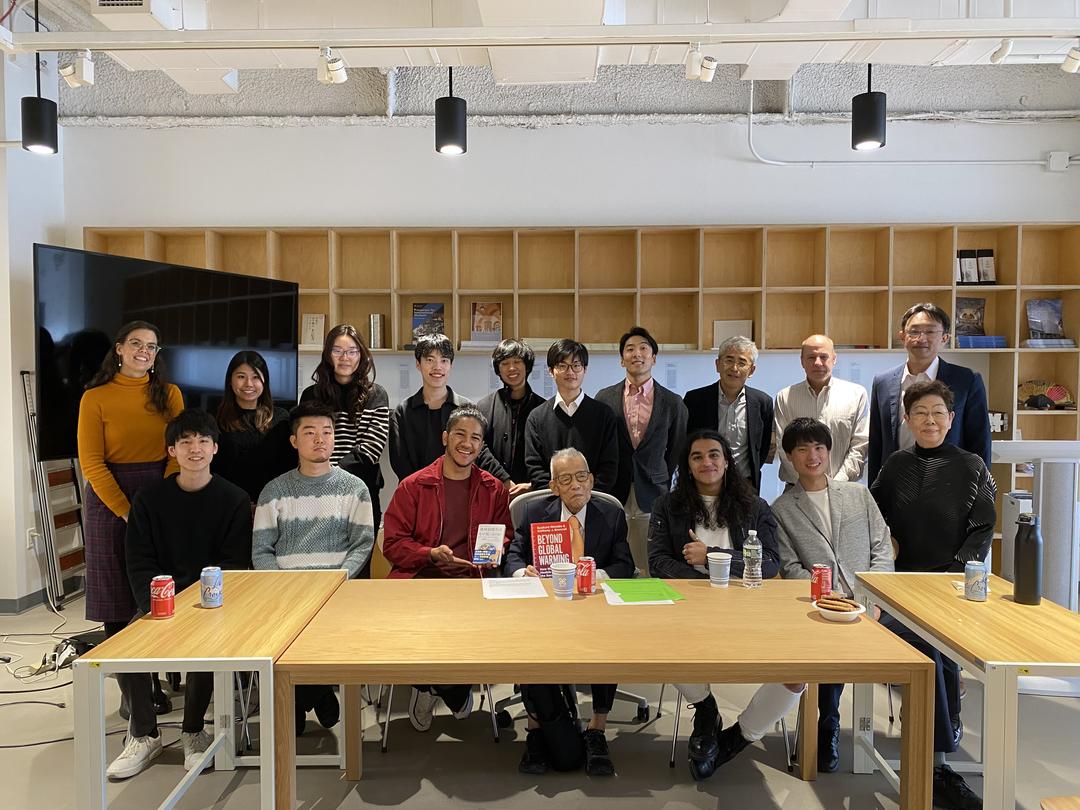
[[413, 522]]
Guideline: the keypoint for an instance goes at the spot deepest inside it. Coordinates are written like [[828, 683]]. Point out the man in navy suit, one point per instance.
[[741, 414], [600, 529], [924, 329]]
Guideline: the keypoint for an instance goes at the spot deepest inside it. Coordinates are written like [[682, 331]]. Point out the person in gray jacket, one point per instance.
[[823, 521], [651, 424]]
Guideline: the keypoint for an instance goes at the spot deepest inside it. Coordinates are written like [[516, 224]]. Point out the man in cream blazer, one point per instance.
[[823, 521]]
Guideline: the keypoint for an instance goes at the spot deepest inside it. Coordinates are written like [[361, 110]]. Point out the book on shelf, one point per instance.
[[478, 344], [987, 271], [980, 341], [539, 345], [427, 319], [313, 328], [488, 549], [600, 346], [1049, 343], [375, 326], [970, 317], [550, 544], [722, 330], [673, 347], [969, 266], [1044, 318], [486, 322]]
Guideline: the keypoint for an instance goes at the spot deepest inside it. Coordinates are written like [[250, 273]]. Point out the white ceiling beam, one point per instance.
[[545, 36]]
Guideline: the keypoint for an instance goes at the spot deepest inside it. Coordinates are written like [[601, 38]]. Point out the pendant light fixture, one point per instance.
[[868, 117], [39, 114], [450, 123]]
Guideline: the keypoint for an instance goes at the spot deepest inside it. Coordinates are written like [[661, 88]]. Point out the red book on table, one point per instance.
[[550, 544]]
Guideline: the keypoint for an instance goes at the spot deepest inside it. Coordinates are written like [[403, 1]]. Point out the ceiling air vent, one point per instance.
[[137, 15]]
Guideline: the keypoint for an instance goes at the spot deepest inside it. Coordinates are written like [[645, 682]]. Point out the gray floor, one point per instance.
[[457, 764]]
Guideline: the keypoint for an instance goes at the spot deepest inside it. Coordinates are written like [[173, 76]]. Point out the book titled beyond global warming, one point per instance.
[[550, 544]]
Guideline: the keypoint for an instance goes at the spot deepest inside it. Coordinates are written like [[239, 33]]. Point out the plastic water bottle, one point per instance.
[[751, 554]]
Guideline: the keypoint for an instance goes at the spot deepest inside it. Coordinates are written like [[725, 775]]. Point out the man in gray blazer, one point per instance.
[[823, 521], [651, 429]]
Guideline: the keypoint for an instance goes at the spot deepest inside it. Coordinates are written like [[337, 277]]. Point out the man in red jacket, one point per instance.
[[429, 530]]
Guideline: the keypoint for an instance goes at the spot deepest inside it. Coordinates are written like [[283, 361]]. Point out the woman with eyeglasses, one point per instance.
[[345, 381], [121, 437], [254, 447], [712, 508]]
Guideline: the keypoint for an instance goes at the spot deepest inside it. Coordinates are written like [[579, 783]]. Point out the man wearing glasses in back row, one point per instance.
[[924, 330]]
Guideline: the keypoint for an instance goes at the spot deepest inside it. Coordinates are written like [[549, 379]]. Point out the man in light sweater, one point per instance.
[[317, 516]]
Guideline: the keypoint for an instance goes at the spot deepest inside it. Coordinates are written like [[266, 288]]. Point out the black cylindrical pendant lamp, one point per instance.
[[39, 125], [450, 123], [868, 118]]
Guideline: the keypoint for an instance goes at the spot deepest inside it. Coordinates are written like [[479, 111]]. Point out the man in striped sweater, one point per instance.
[[317, 516]]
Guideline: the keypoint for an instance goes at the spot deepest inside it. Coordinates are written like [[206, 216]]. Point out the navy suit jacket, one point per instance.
[[605, 536], [703, 406], [971, 425]]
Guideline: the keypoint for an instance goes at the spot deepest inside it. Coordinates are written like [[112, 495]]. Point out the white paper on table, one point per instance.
[[514, 588], [614, 599]]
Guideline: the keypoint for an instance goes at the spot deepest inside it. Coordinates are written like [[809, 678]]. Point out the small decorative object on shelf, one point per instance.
[[987, 271], [314, 330], [722, 330], [999, 421], [1041, 395], [969, 266], [375, 324], [427, 319]]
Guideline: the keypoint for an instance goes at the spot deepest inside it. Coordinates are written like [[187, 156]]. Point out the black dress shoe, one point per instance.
[[597, 757], [702, 770], [730, 743], [534, 757], [828, 755], [702, 746], [952, 792], [328, 710], [957, 731], [162, 703]]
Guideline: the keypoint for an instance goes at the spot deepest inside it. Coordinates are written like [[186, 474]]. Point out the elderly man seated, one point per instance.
[[597, 530]]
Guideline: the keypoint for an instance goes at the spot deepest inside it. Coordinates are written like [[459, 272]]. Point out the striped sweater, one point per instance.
[[313, 522]]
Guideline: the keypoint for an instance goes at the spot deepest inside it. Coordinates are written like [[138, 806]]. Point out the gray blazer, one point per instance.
[[648, 468], [860, 539]]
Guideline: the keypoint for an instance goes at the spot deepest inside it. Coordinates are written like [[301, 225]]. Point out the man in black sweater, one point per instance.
[[179, 526], [571, 419], [938, 502], [507, 409]]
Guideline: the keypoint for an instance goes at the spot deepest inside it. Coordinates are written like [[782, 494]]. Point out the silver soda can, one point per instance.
[[976, 581], [211, 582]]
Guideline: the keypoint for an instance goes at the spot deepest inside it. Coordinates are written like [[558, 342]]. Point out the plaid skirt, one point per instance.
[[108, 590]]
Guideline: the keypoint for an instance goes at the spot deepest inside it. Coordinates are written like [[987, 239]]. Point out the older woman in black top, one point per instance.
[[938, 501]]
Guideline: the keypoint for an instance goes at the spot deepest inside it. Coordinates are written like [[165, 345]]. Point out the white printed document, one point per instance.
[[514, 588]]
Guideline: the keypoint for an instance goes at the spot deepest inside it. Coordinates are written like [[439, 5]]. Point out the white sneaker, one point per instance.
[[137, 754], [421, 709], [195, 745], [465, 710]]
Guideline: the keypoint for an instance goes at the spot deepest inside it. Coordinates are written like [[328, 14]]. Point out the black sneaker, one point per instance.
[[952, 792], [162, 702], [957, 731], [597, 758], [729, 744], [328, 710], [828, 752], [534, 757], [702, 770], [707, 722]]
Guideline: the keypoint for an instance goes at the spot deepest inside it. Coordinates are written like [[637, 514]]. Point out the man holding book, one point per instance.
[[571, 419], [597, 529], [430, 530], [924, 329]]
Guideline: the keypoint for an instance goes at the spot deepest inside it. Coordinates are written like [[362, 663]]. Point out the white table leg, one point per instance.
[[863, 728], [266, 736], [89, 692], [999, 765], [224, 720]]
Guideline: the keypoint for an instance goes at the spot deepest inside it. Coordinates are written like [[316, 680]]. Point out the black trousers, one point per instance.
[[307, 695], [454, 695], [138, 686], [829, 706], [603, 697]]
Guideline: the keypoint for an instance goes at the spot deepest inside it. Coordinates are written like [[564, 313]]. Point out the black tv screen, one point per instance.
[[205, 316]]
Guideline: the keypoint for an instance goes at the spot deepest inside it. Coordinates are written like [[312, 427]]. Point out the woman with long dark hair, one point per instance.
[[712, 508], [345, 381], [122, 419], [254, 445]]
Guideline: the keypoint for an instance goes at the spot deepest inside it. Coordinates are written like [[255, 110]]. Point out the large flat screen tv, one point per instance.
[[81, 299]]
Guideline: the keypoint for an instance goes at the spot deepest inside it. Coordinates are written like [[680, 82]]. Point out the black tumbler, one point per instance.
[[1027, 560]]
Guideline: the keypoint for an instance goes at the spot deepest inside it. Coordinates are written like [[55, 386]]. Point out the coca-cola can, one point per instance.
[[162, 597], [820, 582], [210, 587], [586, 575]]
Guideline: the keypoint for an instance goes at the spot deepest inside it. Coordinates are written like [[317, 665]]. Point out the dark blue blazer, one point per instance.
[[605, 536], [703, 404], [971, 424]]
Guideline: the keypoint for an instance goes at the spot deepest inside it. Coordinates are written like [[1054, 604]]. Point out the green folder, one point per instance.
[[644, 590]]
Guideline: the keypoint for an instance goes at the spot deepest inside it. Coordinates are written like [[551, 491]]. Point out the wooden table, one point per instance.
[[994, 641], [263, 612], [443, 631]]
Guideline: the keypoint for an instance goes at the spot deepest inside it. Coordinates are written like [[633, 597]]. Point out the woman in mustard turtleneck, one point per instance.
[[122, 418]]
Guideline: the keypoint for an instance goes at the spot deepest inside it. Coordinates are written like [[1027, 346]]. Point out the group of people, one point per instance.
[[268, 489]]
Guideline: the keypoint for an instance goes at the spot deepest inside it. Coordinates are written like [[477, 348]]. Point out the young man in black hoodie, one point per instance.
[[179, 526]]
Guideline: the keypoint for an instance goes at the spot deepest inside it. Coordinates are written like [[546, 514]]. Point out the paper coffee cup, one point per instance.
[[562, 579], [719, 568]]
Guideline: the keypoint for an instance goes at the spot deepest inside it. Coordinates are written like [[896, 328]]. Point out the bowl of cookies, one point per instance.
[[838, 608]]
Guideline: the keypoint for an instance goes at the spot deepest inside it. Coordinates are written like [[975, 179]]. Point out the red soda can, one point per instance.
[[162, 597], [820, 582], [586, 575]]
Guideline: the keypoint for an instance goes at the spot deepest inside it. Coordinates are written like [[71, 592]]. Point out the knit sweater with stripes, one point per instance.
[[313, 522]]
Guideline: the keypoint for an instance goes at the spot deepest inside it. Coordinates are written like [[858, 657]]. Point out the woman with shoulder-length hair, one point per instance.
[[345, 381], [121, 437], [254, 447], [713, 508]]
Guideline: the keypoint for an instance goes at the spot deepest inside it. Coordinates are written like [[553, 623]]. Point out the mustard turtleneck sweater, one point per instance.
[[116, 426]]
